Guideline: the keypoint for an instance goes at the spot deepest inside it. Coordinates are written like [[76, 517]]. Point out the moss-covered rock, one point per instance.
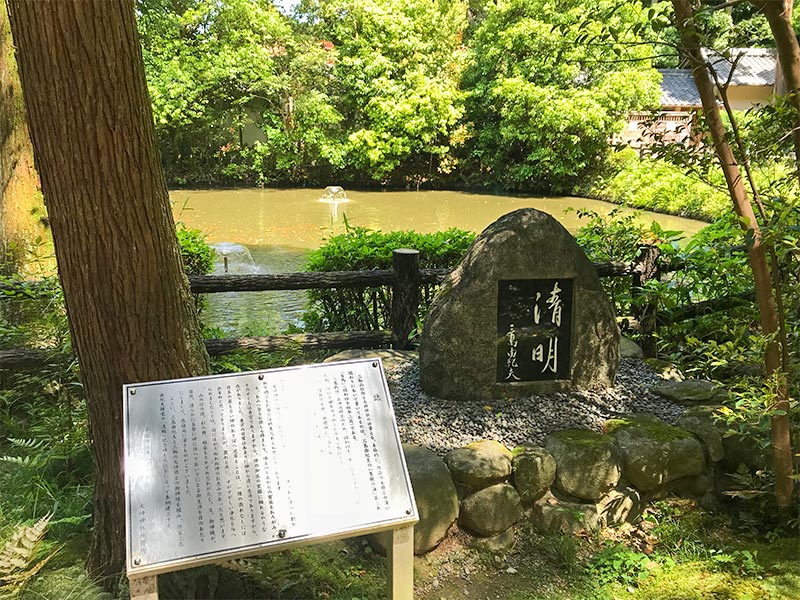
[[629, 349], [587, 463], [534, 471], [551, 514], [435, 494], [700, 422], [691, 391], [654, 453], [491, 511], [665, 369], [479, 464]]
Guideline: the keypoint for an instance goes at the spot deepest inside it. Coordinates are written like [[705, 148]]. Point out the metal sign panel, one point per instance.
[[219, 466], [534, 329]]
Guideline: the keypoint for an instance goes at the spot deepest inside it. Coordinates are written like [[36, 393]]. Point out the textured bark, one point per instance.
[[21, 208], [290, 281], [128, 301], [405, 296], [779, 16], [756, 252], [329, 340]]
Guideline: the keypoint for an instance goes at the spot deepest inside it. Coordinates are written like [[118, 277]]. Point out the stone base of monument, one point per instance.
[[604, 479], [523, 313]]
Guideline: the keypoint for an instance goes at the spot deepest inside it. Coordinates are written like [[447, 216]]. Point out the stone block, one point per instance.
[[491, 511], [587, 462], [479, 464]]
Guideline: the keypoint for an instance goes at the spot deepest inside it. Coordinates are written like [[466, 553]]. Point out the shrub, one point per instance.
[[361, 249], [657, 185], [198, 257], [617, 237]]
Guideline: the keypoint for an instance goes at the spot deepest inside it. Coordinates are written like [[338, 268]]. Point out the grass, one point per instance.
[[677, 551]]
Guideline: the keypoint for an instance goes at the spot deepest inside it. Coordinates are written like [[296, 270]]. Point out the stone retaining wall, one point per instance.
[[577, 479]]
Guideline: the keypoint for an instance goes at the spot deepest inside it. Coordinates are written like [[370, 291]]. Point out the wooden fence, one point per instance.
[[405, 280]]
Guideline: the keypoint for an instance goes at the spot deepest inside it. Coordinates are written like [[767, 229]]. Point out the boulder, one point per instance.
[[629, 349], [587, 463], [534, 471], [691, 391], [621, 505], [700, 423], [491, 511], [502, 542], [527, 255], [553, 515], [666, 370], [654, 453], [479, 464], [435, 494]]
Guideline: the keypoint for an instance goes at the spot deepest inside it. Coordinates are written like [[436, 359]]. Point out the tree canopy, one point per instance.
[[542, 107], [388, 92]]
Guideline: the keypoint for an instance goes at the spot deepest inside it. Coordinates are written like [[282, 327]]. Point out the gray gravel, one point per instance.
[[442, 425]]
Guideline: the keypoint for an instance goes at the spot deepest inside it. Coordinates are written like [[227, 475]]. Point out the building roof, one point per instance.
[[678, 88], [751, 66]]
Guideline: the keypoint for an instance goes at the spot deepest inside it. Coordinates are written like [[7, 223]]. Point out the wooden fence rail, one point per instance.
[[406, 280]]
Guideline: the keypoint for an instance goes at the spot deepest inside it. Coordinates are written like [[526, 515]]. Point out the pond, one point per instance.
[[271, 230]]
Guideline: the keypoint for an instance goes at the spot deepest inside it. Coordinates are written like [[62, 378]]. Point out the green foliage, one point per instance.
[[394, 80], [743, 26], [248, 360], [242, 93], [618, 237], [543, 101], [743, 562], [618, 563], [657, 185], [214, 68], [362, 249], [198, 257]]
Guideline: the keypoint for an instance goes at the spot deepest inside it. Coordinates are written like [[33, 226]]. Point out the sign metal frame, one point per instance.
[[400, 523]]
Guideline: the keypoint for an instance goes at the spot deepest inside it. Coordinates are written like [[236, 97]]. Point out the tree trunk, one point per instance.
[[779, 17], [21, 209], [128, 301], [781, 443]]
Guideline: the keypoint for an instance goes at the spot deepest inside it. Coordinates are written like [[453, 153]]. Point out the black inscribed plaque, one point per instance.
[[534, 326]]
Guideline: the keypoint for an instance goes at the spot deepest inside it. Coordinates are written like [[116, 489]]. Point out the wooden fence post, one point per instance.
[[405, 296], [645, 268]]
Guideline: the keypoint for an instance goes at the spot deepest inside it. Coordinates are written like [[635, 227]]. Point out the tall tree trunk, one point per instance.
[[21, 208], [127, 297], [781, 442], [779, 17]]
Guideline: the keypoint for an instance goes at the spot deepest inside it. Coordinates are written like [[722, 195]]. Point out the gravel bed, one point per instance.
[[442, 425]]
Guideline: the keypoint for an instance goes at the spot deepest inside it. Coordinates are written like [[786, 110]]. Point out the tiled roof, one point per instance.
[[677, 88], [753, 66]]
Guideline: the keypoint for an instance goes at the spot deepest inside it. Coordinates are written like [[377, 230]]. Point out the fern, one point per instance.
[[17, 557], [38, 453]]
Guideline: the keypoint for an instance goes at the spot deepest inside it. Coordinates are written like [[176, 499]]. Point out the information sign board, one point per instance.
[[534, 329], [225, 465]]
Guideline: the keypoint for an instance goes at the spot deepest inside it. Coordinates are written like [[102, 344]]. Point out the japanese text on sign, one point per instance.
[[218, 464], [534, 326]]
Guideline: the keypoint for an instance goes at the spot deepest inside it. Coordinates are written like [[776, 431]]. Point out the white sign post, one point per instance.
[[228, 466]]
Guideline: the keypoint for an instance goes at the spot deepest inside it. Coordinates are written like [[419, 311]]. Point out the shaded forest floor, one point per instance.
[[677, 551]]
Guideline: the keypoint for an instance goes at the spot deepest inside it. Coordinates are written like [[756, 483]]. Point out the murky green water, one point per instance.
[[270, 231]]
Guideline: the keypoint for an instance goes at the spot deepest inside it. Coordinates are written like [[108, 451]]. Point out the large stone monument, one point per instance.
[[523, 313]]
